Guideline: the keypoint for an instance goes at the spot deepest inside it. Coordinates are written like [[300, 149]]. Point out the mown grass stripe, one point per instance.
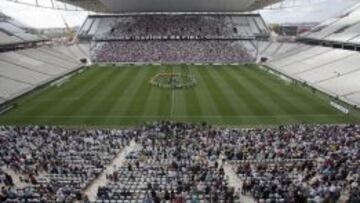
[[226, 88], [273, 92], [138, 102], [179, 103], [112, 92], [83, 102], [59, 107], [191, 97], [184, 116], [128, 100], [154, 97], [102, 96], [297, 94], [245, 94], [49, 97], [294, 96], [267, 99], [98, 85], [221, 99], [202, 91], [165, 98], [222, 103]]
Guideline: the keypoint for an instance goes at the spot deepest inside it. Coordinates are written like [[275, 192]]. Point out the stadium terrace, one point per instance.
[[179, 102]]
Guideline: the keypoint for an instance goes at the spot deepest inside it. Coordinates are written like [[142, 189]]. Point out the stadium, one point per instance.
[[206, 101]]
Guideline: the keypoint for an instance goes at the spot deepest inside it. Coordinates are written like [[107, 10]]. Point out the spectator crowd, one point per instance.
[[180, 162], [152, 51], [178, 38], [230, 26], [54, 163]]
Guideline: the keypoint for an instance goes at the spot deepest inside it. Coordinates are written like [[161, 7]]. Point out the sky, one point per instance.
[[290, 12], [41, 17]]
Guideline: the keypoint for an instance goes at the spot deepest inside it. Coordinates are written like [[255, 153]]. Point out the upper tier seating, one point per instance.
[[345, 28], [6, 39], [333, 71], [127, 26], [274, 49], [13, 32], [174, 38], [24, 70]]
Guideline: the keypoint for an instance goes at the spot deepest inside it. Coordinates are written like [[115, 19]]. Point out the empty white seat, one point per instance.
[[31, 63], [340, 67], [86, 48], [10, 27], [355, 98], [21, 74], [323, 59], [47, 58], [342, 85], [77, 51], [334, 71], [23, 70], [10, 88], [299, 56], [7, 39]]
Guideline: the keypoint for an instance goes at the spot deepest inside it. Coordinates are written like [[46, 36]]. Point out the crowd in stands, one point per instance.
[[179, 162], [202, 26], [201, 51], [177, 38], [174, 164], [55, 163], [298, 163]]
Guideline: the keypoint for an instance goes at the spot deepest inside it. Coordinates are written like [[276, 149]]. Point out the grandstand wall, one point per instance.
[[14, 34], [26, 70], [173, 37], [331, 71]]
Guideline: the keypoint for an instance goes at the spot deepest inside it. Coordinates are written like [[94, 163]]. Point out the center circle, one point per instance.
[[173, 81]]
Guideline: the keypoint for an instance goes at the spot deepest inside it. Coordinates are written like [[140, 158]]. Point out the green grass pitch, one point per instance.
[[121, 96]]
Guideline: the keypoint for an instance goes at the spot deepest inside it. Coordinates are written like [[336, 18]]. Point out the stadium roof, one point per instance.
[[122, 6]]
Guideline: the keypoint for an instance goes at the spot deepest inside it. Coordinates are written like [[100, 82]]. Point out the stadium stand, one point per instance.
[[353, 98], [296, 163], [181, 162], [13, 32], [342, 29], [7, 39], [24, 70], [80, 51], [266, 179], [274, 49], [45, 57], [156, 25], [74, 52], [174, 38], [10, 88], [201, 51], [21, 74], [59, 162], [329, 70]]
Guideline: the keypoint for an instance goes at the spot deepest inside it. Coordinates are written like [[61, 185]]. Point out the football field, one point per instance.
[[223, 95]]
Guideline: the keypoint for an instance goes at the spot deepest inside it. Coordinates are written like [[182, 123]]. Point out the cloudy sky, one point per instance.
[[41, 17], [300, 11]]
